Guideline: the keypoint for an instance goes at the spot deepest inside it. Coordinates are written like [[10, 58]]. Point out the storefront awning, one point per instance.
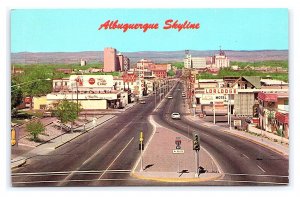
[[267, 97], [282, 118]]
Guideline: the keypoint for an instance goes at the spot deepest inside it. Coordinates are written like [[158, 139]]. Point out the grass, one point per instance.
[[229, 72], [268, 63]]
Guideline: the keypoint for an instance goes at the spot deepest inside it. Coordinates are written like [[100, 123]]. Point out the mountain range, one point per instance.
[[156, 56]]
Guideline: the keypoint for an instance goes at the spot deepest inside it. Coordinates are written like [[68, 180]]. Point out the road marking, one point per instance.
[[155, 125], [63, 173], [218, 140], [259, 175], [106, 144], [245, 155], [261, 168], [231, 147], [275, 183], [214, 160], [115, 158], [76, 180]]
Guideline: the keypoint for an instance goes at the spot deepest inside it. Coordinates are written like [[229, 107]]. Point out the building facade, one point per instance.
[[110, 60]]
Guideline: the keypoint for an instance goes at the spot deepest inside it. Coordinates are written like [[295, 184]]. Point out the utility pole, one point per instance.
[[214, 109], [229, 111], [141, 147], [77, 97]]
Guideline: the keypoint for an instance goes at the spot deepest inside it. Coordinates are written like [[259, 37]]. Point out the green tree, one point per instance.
[[67, 111], [16, 97], [171, 73], [35, 128], [178, 65]]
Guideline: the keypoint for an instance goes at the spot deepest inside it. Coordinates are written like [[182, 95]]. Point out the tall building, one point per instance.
[[110, 60], [188, 61], [126, 66], [120, 62], [220, 60]]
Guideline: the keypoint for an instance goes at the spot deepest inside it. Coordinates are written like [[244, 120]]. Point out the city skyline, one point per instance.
[[58, 30]]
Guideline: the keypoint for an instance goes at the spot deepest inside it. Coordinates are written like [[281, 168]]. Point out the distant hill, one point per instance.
[[156, 56]]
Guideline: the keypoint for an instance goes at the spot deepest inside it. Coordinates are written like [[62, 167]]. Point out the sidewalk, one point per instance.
[[59, 141], [161, 164], [277, 147]]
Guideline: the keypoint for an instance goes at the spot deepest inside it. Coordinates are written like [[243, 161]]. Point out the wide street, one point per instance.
[[107, 155]]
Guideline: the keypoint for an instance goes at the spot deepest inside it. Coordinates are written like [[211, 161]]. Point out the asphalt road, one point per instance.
[[242, 162], [105, 156]]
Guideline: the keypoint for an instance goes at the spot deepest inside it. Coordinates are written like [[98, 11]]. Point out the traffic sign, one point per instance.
[[178, 151]]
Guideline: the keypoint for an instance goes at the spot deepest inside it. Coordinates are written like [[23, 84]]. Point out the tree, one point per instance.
[[16, 97], [171, 73], [67, 111], [35, 128], [178, 65]]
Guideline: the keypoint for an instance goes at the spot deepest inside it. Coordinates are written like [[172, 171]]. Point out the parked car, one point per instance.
[[142, 101], [175, 115], [170, 97]]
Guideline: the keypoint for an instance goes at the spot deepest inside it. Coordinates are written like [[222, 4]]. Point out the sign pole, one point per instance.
[[228, 109], [141, 156], [214, 108], [230, 112], [141, 145], [196, 164]]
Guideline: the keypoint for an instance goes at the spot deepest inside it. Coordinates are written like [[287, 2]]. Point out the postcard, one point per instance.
[[149, 97]]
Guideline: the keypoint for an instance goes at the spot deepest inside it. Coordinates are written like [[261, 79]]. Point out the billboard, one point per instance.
[[92, 81]]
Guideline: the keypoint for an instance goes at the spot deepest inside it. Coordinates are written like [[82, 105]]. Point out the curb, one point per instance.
[[87, 130], [177, 180], [251, 140], [257, 142], [19, 165]]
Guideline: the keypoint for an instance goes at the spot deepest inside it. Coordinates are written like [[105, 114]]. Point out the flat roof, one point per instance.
[[273, 82]]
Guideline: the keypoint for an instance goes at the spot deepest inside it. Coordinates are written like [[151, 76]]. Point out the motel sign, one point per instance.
[[220, 91]]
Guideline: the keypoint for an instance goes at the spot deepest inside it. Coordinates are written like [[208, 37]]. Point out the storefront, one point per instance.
[[93, 92]]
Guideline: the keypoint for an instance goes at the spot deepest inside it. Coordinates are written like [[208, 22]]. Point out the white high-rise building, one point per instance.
[[187, 61]]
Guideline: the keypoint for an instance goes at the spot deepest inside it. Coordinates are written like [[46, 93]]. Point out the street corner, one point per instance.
[[176, 177], [16, 163]]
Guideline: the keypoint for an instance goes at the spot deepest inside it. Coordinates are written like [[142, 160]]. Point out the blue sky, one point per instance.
[[62, 30]]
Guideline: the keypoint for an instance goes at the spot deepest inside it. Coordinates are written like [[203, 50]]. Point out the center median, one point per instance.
[[160, 163]]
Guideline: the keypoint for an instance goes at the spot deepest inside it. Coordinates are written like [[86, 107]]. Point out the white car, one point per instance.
[[175, 115], [170, 97]]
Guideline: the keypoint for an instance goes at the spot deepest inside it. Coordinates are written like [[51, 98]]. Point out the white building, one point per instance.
[[188, 61], [198, 62], [91, 91]]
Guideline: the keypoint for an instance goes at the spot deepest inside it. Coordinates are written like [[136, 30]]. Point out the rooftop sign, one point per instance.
[[220, 91]]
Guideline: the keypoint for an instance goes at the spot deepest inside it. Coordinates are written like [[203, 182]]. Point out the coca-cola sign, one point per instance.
[[91, 81]]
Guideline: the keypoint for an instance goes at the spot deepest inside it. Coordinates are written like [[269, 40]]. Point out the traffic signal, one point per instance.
[[196, 144]]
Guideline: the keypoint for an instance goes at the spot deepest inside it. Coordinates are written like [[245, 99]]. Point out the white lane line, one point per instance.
[[231, 181], [76, 180], [155, 125], [231, 147], [214, 160], [106, 144], [261, 168], [245, 156], [218, 140], [115, 159], [99, 150], [66, 173], [259, 175]]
